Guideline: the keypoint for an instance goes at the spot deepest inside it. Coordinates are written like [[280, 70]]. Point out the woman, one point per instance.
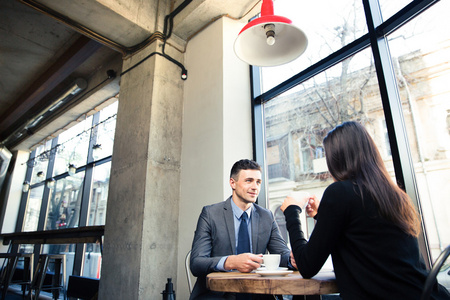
[[365, 221]]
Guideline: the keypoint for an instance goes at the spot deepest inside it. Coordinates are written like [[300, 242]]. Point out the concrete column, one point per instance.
[[141, 234]]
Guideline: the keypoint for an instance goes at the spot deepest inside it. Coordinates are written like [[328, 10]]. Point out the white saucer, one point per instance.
[[274, 272], [279, 269]]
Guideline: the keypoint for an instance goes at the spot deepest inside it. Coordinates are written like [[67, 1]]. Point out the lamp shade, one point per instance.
[[270, 40]]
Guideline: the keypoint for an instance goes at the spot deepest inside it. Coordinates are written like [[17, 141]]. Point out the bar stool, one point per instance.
[[8, 271], [38, 283]]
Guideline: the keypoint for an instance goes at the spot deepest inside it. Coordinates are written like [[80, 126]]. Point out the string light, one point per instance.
[[50, 183], [72, 169], [26, 186], [45, 155]]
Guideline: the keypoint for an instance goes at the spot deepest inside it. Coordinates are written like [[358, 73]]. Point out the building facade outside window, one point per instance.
[[77, 198], [336, 80]]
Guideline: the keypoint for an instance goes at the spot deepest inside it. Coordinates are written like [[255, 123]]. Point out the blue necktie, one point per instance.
[[243, 245]]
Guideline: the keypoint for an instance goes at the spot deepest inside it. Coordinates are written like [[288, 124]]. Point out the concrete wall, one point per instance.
[[217, 128]]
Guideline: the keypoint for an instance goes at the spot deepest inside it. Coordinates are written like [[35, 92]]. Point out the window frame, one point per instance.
[[376, 38], [88, 168]]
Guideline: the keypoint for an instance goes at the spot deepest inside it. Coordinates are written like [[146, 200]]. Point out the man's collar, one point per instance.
[[238, 212]]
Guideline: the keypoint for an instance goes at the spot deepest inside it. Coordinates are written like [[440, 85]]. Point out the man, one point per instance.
[[218, 243]]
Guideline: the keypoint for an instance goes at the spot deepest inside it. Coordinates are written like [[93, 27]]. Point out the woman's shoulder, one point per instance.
[[341, 193], [345, 186], [338, 199]]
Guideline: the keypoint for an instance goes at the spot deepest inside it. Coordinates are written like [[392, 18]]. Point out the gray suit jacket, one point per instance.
[[215, 238]]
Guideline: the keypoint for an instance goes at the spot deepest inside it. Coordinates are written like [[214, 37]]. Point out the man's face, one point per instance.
[[247, 187]]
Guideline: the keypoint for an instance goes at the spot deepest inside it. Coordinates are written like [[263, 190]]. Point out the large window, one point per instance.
[[398, 88], [62, 197]]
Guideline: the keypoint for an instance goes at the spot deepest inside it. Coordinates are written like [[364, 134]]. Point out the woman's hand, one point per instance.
[[312, 206], [292, 201]]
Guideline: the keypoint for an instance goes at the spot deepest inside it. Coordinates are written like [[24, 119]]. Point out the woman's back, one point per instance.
[[364, 220], [372, 258], [372, 254]]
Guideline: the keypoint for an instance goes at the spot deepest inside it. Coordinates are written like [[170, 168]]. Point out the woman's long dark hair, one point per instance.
[[351, 154]]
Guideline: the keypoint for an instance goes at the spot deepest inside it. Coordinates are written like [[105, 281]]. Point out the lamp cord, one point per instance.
[[167, 32]]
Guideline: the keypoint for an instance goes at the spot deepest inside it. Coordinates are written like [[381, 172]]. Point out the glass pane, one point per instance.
[[105, 131], [420, 52], [65, 202], [73, 146], [443, 277], [26, 248], [40, 163], [297, 121], [92, 261], [31, 218], [99, 195], [329, 26], [389, 7]]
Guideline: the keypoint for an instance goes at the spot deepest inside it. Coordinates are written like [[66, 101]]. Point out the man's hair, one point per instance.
[[243, 164]]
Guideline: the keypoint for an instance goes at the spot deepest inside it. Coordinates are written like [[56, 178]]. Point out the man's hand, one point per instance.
[[245, 262]]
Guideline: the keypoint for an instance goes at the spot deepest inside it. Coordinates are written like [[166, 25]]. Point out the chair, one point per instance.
[[83, 287], [58, 279], [8, 271], [188, 271], [431, 278]]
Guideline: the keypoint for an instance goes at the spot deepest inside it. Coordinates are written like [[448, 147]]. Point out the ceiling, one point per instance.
[[46, 46]]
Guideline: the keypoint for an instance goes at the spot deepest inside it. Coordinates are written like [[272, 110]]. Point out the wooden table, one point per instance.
[[291, 284]]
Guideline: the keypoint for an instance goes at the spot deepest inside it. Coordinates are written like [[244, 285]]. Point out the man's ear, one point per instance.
[[232, 183]]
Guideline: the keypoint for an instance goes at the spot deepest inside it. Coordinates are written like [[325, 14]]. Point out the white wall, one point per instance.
[[216, 127], [14, 194]]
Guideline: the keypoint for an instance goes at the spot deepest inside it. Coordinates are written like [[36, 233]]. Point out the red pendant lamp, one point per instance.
[[270, 40]]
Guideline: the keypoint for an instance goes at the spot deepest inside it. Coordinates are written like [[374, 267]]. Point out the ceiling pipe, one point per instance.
[[102, 39]]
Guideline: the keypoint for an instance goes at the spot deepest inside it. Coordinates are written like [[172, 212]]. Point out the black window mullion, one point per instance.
[[25, 196], [404, 15], [322, 65], [85, 203], [46, 195]]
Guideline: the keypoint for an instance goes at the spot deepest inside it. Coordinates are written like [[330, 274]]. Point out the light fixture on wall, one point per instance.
[[50, 183], [75, 88], [26, 186], [72, 169], [270, 40]]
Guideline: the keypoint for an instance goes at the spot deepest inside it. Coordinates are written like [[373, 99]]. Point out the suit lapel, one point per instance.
[[229, 221], [255, 225]]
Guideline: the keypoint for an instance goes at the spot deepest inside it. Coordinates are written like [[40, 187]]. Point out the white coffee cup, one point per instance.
[[271, 261], [300, 196]]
